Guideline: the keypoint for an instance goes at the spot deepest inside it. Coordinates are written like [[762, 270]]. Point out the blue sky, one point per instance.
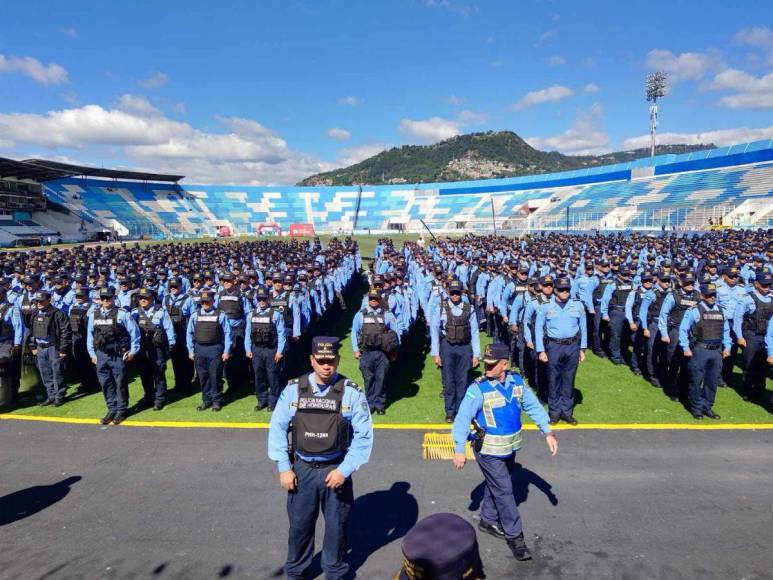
[[269, 92]]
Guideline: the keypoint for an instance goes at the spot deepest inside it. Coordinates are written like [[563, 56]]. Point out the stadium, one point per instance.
[[156, 330]]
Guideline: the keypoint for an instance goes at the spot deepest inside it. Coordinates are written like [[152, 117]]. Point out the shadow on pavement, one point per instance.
[[27, 502], [522, 478]]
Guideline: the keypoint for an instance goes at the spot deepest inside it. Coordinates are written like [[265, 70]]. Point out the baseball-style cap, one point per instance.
[[227, 277], [495, 353], [146, 293], [261, 294], [207, 295], [546, 280], [42, 295], [373, 295], [107, 292], [563, 283], [325, 347], [766, 278], [687, 278], [708, 289], [455, 286]]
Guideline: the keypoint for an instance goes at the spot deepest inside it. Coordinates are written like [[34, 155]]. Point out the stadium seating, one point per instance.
[[674, 191]]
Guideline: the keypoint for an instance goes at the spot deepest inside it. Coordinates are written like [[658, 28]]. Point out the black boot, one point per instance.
[[518, 548]]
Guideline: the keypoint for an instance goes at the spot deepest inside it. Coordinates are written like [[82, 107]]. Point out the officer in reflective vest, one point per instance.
[[264, 343], [493, 405], [180, 306], [752, 315], [236, 308], [675, 304], [11, 338], [561, 340], [50, 343], [112, 339], [209, 347], [704, 336], [157, 338], [369, 330], [332, 434], [79, 313], [613, 311], [648, 318], [455, 346]]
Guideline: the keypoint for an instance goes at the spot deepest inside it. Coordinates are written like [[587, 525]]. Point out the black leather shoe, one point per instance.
[[45, 403], [449, 418], [554, 420], [203, 407], [637, 372], [492, 529], [570, 419], [380, 412], [711, 414], [58, 403], [697, 416], [158, 406], [270, 409], [119, 418], [261, 406], [143, 404], [107, 419], [216, 408], [518, 548]]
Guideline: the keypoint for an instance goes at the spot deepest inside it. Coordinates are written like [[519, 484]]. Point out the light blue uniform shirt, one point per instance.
[[472, 403], [438, 327], [559, 321], [746, 305], [769, 338], [13, 317], [354, 408], [161, 318], [691, 317], [124, 319], [279, 326]]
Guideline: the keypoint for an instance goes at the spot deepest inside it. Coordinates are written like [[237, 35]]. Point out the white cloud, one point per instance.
[[751, 92], [338, 134], [462, 7], [429, 130], [590, 89], [179, 108], [50, 74], [686, 66], [70, 97], [455, 101], [349, 101], [584, 137], [154, 81], [137, 105], [468, 117], [550, 94], [546, 36], [759, 36], [71, 32], [351, 155], [556, 60], [722, 137]]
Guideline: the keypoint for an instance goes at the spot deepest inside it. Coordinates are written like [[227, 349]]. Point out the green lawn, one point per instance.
[[605, 393]]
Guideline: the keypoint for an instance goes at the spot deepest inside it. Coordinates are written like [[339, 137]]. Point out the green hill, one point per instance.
[[473, 156]]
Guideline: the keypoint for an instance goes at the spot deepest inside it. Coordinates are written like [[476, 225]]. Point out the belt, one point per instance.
[[619, 307], [708, 346], [571, 340], [319, 464]]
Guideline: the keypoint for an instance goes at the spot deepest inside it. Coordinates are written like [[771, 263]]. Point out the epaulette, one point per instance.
[[352, 384], [293, 381], [479, 380]]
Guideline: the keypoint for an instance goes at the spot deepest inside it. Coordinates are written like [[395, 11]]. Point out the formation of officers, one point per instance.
[[237, 311], [676, 309]]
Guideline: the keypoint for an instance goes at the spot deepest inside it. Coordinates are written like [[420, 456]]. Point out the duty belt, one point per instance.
[[570, 340], [320, 464], [708, 346]]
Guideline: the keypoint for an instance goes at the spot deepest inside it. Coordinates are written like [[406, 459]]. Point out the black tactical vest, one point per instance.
[[109, 335], [41, 323], [207, 331], [282, 303], [231, 304], [373, 329], [620, 294], [27, 307], [318, 428], [174, 308], [641, 292], [654, 309], [78, 318], [458, 330], [757, 321], [6, 328], [262, 331], [598, 291], [710, 326], [683, 301]]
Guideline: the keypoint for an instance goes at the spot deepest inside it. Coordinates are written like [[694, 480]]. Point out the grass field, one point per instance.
[[605, 393]]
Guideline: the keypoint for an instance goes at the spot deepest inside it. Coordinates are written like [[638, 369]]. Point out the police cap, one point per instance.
[[765, 279], [207, 296], [378, 280], [325, 347], [31, 279], [42, 295], [175, 282], [546, 280], [288, 279], [107, 292], [227, 277], [455, 286], [647, 276], [374, 295], [495, 353], [82, 292], [146, 293], [261, 294], [687, 278], [563, 283]]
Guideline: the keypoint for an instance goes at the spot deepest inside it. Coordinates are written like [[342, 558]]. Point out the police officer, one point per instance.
[[675, 304], [648, 319], [236, 308], [264, 343], [11, 338], [455, 346], [157, 338], [704, 336], [180, 306], [632, 307], [493, 406], [597, 287], [370, 334], [561, 340], [288, 304], [613, 311], [752, 315], [209, 346], [79, 313], [112, 339], [536, 369], [50, 343], [332, 435]]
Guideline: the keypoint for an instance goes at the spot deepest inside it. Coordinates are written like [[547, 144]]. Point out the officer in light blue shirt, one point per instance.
[[769, 341], [752, 314], [157, 339], [264, 343], [332, 435], [493, 406]]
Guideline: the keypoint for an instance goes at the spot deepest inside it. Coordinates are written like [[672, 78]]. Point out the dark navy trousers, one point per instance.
[[50, 367], [111, 373], [618, 329], [561, 370], [265, 373], [704, 368], [498, 504], [374, 365], [209, 369], [303, 506], [457, 362], [82, 367], [754, 364], [152, 368]]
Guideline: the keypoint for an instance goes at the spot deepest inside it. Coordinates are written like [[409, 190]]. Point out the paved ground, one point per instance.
[[91, 502]]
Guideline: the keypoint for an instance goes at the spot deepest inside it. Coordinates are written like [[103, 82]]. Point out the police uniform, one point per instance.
[[649, 310], [613, 309], [455, 339], [331, 429], [236, 308], [369, 337], [752, 315], [11, 340], [674, 306], [112, 336], [561, 333], [82, 367], [209, 337], [180, 306], [494, 408], [288, 305], [157, 338], [535, 370], [704, 333], [264, 339], [50, 340]]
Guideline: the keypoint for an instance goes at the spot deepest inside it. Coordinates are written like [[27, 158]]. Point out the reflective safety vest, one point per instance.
[[500, 417]]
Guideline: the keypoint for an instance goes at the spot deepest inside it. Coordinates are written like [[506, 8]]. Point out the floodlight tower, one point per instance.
[[656, 87]]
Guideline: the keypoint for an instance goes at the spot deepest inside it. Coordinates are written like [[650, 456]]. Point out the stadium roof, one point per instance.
[[66, 169], [25, 170]]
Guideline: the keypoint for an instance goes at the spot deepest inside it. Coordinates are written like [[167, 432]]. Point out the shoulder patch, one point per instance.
[[293, 381], [352, 384]]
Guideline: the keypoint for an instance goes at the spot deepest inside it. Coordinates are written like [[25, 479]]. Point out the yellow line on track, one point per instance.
[[408, 426]]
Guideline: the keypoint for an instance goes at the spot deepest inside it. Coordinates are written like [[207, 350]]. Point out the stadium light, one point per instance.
[[656, 86]]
